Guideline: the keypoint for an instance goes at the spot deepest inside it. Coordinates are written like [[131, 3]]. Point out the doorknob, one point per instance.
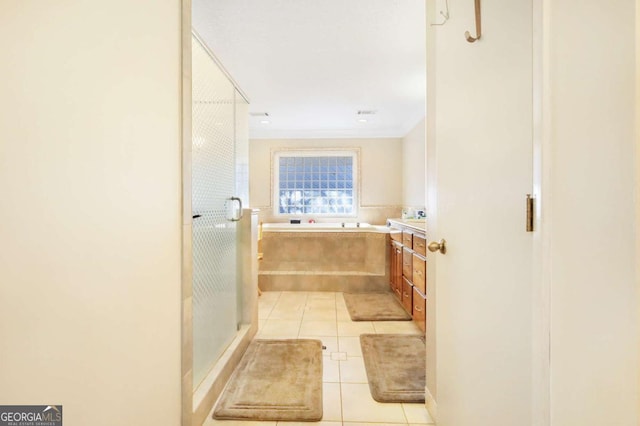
[[438, 246]]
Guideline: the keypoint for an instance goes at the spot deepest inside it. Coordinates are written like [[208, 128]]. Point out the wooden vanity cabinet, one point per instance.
[[396, 269], [407, 263], [407, 295], [409, 269], [419, 272], [419, 311]]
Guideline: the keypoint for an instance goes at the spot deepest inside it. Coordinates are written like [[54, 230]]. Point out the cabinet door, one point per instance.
[[396, 269], [392, 265], [407, 264], [419, 273], [419, 310]]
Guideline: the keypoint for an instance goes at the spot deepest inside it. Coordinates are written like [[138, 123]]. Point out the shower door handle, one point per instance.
[[239, 201]]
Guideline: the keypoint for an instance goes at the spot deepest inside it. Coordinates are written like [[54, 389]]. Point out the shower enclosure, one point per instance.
[[218, 175]]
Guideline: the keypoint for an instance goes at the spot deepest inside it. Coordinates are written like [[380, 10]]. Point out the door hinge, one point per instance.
[[530, 212]]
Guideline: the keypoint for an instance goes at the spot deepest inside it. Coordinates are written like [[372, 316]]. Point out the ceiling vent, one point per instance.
[[259, 114], [366, 112]]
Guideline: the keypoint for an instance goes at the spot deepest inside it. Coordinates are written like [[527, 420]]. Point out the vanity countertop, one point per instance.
[[415, 224]]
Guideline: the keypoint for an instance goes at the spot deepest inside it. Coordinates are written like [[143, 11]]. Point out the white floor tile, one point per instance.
[[285, 306], [264, 310], [269, 296], [317, 314], [331, 402], [322, 423], [355, 328], [213, 422], [353, 371], [417, 414], [372, 424], [343, 315], [293, 295], [287, 314], [321, 295], [330, 370], [281, 328], [347, 399], [359, 406], [321, 303], [350, 345], [339, 356], [396, 327], [318, 328]]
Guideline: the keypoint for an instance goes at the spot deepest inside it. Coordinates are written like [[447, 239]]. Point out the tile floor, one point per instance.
[[346, 396]]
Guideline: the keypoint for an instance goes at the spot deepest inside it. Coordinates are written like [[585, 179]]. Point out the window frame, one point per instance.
[[275, 193]]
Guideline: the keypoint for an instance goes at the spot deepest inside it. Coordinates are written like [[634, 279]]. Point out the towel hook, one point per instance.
[[445, 15], [467, 35]]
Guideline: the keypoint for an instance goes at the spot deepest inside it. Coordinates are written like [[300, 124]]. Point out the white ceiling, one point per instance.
[[312, 64]]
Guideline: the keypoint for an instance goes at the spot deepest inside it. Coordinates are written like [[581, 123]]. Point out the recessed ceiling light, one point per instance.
[[264, 122], [362, 120]]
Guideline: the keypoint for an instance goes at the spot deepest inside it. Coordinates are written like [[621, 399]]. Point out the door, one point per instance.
[[480, 170], [215, 289]]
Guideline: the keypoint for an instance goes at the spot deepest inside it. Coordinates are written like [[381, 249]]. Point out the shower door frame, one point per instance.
[[197, 404]]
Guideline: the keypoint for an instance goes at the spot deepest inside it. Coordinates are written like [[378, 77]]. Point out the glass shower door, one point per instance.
[[215, 311]]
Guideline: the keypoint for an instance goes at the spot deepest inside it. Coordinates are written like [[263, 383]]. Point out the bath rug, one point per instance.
[[275, 380], [375, 307], [395, 365]]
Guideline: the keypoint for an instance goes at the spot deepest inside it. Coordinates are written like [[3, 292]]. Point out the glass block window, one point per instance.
[[315, 183]]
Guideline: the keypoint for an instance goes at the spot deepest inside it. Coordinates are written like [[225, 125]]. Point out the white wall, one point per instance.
[[380, 174], [90, 220], [589, 117], [413, 166]]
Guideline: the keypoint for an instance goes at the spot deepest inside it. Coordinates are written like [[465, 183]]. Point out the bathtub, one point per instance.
[[324, 257]]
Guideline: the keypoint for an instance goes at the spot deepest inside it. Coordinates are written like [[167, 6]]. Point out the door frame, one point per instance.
[[541, 191]]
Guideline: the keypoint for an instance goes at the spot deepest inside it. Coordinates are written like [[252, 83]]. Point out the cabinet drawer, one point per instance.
[[395, 234], [407, 263], [407, 296], [398, 292], [420, 244], [419, 311], [407, 239], [419, 273]]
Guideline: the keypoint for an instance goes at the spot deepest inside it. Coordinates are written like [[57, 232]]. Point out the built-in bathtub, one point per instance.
[[324, 257]]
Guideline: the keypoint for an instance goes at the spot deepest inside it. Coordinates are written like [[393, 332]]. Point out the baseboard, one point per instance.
[[432, 406]]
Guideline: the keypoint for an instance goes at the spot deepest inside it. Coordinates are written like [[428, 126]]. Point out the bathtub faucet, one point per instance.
[[343, 224], [358, 225]]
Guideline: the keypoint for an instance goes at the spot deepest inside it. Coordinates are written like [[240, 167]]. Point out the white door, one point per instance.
[[480, 170]]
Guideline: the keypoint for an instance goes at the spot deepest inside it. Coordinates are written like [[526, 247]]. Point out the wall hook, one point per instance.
[[467, 35], [444, 14]]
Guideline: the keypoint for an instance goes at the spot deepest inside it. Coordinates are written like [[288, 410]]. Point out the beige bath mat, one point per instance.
[[275, 380], [395, 365], [375, 307]]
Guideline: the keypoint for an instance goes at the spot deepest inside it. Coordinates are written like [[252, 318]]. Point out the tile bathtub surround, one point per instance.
[[346, 397], [294, 261]]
